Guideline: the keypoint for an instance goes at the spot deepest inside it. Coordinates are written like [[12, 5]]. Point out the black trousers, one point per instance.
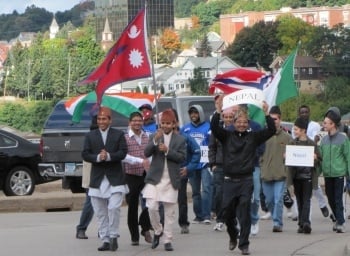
[[303, 193], [182, 202], [136, 184], [237, 195]]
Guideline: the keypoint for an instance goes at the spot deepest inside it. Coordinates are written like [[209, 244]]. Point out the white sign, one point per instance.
[[245, 96], [204, 154], [299, 155]]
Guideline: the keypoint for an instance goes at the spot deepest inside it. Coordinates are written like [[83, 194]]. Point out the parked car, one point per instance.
[[19, 159]]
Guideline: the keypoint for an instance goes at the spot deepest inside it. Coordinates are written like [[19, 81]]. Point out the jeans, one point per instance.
[[182, 202], [254, 210], [334, 188], [86, 214], [207, 193], [273, 191], [195, 181], [218, 183]]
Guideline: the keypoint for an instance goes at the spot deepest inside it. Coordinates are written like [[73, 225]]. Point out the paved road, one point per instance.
[[53, 233]]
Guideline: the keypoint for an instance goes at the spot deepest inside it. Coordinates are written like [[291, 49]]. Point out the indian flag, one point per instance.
[[281, 88], [123, 103]]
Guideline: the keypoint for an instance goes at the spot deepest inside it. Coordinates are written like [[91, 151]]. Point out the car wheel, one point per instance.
[[19, 182]]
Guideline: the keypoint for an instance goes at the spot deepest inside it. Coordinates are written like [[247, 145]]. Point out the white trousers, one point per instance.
[[169, 218], [107, 211]]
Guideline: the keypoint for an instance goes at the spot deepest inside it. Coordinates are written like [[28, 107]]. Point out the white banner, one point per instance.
[[245, 96], [299, 155]]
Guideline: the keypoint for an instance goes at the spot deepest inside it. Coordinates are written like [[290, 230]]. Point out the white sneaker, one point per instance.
[[206, 222], [266, 216], [219, 226], [340, 228], [254, 229]]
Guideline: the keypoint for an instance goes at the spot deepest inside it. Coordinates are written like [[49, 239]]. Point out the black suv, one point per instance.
[[19, 159]]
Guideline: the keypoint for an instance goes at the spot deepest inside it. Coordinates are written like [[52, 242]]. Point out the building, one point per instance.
[[307, 73], [54, 28], [121, 12], [231, 24]]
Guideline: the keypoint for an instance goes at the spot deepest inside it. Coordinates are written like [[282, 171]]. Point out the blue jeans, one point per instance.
[[195, 181], [254, 209], [207, 192], [334, 188], [273, 191], [86, 214]]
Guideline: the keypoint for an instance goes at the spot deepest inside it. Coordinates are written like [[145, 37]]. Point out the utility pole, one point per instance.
[[68, 80], [28, 80]]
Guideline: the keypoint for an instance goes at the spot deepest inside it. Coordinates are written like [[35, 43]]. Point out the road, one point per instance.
[[53, 233]]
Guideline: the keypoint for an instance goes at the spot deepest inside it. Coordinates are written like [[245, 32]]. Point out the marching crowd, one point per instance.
[[245, 170]]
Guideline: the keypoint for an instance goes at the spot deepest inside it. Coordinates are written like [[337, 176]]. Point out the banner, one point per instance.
[[246, 96]]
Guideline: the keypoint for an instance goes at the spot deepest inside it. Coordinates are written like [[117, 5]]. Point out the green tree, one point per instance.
[[204, 49], [199, 85], [255, 46]]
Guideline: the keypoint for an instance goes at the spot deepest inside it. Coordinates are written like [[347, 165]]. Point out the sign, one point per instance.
[[245, 96], [204, 154], [299, 156]]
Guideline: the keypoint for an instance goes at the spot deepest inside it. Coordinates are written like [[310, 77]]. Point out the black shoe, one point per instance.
[[325, 211], [277, 229], [307, 228], [332, 217], [113, 246], [81, 234], [300, 230], [245, 251], [155, 241], [232, 244], [185, 229], [104, 247], [168, 247]]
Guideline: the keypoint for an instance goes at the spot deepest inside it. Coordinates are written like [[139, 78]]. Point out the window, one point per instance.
[[310, 71], [7, 142]]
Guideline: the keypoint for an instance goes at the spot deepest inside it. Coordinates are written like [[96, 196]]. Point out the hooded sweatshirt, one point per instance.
[[200, 132]]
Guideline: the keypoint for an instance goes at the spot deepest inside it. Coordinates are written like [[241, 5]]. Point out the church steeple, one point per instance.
[[107, 36], [54, 28]]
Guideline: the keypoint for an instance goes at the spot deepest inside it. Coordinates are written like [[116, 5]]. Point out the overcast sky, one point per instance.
[[8, 6]]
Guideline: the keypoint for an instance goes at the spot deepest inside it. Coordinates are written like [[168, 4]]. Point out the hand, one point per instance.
[[146, 164], [218, 103], [103, 155], [183, 171], [162, 147], [265, 108], [158, 135]]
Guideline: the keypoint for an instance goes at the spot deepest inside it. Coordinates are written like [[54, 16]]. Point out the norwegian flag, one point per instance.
[[238, 79], [127, 60]]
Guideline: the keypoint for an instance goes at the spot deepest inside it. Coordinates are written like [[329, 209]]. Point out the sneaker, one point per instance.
[[325, 211], [300, 230], [307, 228], [185, 230], [206, 222], [266, 216], [254, 229], [219, 226], [277, 229], [197, 221], [334, 226], [340, 228]]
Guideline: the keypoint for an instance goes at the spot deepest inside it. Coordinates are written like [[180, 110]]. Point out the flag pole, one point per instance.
[[152, 64]]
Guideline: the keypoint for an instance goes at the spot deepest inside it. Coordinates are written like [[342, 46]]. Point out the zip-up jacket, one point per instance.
[[239, 148], [335, 153]]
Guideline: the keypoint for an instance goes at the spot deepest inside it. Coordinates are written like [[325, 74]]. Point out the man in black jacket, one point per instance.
[[105, 148], [239, 149]]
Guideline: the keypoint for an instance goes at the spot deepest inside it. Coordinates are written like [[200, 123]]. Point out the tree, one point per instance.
[[199, 85], [170, 42], [255, 46], [204, 49]]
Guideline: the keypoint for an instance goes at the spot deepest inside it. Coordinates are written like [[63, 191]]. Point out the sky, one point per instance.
[[8, 6]]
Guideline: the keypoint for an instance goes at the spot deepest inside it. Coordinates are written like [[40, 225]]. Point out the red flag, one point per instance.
[[238, 79], [127, 60]]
